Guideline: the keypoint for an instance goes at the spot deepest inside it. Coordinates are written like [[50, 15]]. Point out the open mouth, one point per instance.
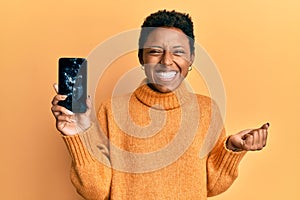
[[166, 76]]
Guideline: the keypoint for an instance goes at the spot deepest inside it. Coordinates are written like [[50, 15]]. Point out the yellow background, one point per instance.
[[255, 44]]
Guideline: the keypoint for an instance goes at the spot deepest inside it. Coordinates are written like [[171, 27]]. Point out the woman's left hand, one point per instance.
[[249, 140]]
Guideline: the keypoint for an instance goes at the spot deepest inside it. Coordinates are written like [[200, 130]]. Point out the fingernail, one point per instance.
[[69, 112], [73, 120]]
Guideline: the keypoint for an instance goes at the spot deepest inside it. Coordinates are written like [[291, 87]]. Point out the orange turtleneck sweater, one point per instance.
[[152, 145]]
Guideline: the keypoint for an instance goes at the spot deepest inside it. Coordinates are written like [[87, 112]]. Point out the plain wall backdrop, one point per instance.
[[255, 44]]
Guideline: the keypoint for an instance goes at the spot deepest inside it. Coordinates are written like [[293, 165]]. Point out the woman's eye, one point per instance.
[[155, 51], [179, 52]]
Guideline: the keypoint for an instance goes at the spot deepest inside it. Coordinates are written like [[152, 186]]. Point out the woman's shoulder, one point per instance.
[[206, 102], [115, 100], [203, 99]]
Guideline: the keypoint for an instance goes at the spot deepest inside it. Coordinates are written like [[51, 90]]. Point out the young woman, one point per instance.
[[163, 129]]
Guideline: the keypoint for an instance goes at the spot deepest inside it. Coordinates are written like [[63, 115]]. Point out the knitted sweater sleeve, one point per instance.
[[222, 163], [222, 167], [90, 171]]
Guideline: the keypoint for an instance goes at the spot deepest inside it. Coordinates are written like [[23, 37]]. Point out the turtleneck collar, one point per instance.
[[165, 101]]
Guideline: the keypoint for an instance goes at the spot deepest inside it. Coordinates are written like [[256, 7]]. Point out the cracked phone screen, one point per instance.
[[72, 81]]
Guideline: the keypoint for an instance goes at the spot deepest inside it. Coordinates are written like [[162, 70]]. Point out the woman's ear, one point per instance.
[[192, 58]]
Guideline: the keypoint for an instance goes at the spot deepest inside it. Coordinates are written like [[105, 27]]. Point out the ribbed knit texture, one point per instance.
[[148, 126]]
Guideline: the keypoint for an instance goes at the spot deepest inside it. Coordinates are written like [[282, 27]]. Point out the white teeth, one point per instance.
[[166, 75]]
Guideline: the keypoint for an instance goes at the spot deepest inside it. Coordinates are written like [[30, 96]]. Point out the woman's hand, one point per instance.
[[249, 140], [67, 122]]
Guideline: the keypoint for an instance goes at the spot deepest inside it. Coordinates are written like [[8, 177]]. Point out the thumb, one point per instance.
[[55, 86]]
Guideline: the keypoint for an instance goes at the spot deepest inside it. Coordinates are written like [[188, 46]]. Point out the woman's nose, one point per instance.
[[167, 58]]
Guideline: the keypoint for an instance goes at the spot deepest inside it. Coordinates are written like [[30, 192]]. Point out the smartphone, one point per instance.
[[72, 81]]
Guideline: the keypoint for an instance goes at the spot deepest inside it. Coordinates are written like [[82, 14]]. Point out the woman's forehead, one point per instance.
[[167, 36]]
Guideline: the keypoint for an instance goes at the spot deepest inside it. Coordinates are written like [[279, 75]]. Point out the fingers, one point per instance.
[[58, 98], [57, 110], [264, 134], [60, 112], [247, 142], [265, 126], [265, 137], [256, 139], [66, 118]]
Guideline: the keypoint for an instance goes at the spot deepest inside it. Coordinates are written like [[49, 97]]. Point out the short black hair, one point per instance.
[[164, 18]]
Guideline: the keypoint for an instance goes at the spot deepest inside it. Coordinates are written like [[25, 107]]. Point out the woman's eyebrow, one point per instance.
[[160, 47], [177, 46], [154, 46]]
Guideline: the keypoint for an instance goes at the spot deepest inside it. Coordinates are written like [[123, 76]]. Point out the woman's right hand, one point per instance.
[[67, 122]]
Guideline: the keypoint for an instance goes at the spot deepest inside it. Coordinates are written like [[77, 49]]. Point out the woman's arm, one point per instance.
[[222, 167], [90, 171], [222, 163]]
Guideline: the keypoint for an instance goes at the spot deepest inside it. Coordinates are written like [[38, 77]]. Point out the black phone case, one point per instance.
[[72, 81]]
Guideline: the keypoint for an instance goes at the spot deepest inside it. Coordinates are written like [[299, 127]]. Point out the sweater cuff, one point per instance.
[[231, 158], [77, 149], [227, 160]]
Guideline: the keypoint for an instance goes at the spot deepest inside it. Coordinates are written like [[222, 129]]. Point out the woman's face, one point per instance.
[[166, 58]]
